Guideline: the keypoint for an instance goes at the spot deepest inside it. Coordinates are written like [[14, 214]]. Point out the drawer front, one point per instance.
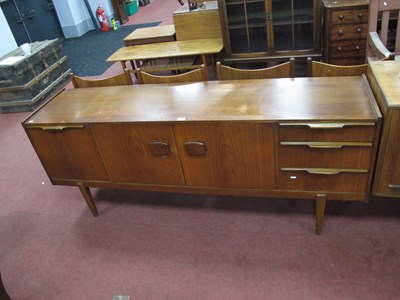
[[328, 132], [350, 16], [347, 181], [325, 155], [352, 31], [345, 61], [353, 48]]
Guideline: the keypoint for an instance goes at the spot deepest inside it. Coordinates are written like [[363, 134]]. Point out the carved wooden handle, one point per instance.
[[195, 148], [159, 148]]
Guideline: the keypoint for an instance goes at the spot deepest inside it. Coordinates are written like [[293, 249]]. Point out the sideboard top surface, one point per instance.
[[344, 3], [387, 75], [320, 99]]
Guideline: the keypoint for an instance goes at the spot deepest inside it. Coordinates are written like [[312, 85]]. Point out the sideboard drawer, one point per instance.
[[327, 180], [350, 16], [350, 155], [333, 132]]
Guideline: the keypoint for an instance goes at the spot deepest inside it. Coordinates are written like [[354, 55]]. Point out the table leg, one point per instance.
[[88, 198], [320, 212], [204, 62]]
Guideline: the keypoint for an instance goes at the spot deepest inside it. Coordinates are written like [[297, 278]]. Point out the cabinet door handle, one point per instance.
[[55, 127], [324, 171], [160, 148], [394, 186], [195, 148]]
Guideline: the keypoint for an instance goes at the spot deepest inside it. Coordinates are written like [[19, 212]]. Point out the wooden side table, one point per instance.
[[150, 35]]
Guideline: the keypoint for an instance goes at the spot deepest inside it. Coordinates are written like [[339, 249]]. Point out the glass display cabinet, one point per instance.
[[261, 28]]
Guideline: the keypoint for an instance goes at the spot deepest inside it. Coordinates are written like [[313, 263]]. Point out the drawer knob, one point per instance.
[[360, 15], [359, 30], [341, 17], [358, 47], [195, 148], [340, 32], [339, 48], [159, 148]]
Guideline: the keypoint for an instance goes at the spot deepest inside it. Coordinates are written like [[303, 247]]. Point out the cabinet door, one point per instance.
[[389, 166], [227, 155], [139, 153], [246, 24], [293, 24], [67, 153]]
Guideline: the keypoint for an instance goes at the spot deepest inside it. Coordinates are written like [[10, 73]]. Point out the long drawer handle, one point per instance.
[[55, 127], [394, 186], [160, 148], [327, 125], [327, 145], [324, 171], [195, 148]]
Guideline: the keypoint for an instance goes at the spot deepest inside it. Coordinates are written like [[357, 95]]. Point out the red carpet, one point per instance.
[[155, 246]]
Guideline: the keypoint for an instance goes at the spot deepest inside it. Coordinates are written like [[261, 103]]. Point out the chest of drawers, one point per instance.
[[313, 139], [345, 31]]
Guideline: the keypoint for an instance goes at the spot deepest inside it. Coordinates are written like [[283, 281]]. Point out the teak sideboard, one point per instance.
[[304, 138]]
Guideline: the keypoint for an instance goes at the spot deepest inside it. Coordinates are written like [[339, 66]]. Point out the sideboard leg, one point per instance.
[[88, 198], [320, 212]]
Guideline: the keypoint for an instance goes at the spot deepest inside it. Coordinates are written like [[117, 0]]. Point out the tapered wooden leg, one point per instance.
[[320, 212], [88, 198]]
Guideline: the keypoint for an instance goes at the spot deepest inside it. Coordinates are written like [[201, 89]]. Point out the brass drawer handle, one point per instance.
[[326, 125], [195, 148], [160, 148], [55, 127], [327, 145], [324, 171], [394, 186]]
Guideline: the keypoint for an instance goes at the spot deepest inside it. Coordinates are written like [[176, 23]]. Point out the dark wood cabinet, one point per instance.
[[345, 31], [120, 11]]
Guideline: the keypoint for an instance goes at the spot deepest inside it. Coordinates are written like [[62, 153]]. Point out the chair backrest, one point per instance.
[[319, 69], [383, 41], [280, 71], [123, 78], [190, 76]]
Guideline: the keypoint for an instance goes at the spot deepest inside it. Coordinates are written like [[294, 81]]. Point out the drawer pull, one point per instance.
[[359, 30], [327, 145], [195, 148], [340, 32], [159, 148], [339, 48], [326, 125], [324, 171], [360, 15], [358, 47], [55, 127], [394, 186], [341, 17]]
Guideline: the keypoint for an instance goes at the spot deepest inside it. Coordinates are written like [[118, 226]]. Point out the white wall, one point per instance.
[[74, 17], [8, 42]]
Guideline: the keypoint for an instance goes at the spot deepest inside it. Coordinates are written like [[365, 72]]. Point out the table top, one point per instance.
[[151, 32], [387, 76], [168, 49], [260, 100]]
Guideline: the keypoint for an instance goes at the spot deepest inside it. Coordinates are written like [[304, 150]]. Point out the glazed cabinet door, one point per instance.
[[139, 153], [227, 155], [246, 25], [67, 152]]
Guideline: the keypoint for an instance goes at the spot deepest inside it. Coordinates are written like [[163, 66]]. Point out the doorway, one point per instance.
[[32, 20]]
